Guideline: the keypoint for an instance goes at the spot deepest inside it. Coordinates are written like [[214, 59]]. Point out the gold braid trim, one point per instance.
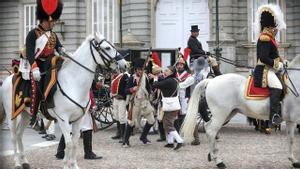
[[276, 63]]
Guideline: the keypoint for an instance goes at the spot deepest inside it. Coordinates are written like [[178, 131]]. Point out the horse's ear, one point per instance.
[[98, 36]]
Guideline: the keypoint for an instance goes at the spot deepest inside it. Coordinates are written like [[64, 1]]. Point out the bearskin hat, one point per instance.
[[269, 15], [48, 9]]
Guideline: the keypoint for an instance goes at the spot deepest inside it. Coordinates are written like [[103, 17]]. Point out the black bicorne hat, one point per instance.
[[138, 63], [194, 28], [48, 9]]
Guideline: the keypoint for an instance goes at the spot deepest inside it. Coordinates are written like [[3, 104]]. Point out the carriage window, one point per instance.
[[29, 18], [105, 18], [255, 5]]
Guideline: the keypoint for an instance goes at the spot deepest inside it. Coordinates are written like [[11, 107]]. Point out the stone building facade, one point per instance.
[[146, 23]]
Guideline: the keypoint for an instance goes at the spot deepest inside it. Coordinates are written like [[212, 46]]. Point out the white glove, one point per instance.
[[36, 74], [286, 63], [280, 67]]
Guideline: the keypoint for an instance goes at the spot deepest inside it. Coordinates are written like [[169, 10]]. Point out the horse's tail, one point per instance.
[[190, 120], [2, 114]]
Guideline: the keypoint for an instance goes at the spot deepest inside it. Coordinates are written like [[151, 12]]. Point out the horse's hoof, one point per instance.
[[296, 165], [221, 165], [209, 157], [26, 166], [18, 167]]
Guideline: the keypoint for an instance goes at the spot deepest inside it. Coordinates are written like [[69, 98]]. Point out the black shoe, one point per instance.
[[50, 137], [145, 140], [178, 146], [60, 155], [169, 145], [92, 156], [42, 132], [116, 137], [161, 140], [195, 142], [45, 136]]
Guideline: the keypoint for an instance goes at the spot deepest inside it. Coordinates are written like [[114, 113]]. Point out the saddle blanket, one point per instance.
[[255, 93]]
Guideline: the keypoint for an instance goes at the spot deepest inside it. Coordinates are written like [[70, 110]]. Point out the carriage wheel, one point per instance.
[[104, 117]]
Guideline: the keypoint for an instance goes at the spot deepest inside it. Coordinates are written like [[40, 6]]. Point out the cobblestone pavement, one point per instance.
[[240, 147]]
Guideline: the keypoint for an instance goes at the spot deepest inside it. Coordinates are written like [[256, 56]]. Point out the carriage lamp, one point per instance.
[[60, 28]]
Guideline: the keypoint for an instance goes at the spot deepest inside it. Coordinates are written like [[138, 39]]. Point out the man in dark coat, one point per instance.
[[197, 51]]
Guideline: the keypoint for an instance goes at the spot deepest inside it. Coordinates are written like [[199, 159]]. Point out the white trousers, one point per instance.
[[87, 122], [273, 81], [119, 110]]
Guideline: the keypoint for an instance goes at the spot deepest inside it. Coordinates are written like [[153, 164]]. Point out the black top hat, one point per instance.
[[194, 28]]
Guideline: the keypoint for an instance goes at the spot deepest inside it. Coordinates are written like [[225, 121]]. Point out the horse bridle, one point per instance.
[[107, 60]]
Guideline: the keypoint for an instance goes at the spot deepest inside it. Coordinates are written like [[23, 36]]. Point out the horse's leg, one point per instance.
[[212, 128], [75, 138], [291, 135], [24, 122], [66, 131], [13, 132]]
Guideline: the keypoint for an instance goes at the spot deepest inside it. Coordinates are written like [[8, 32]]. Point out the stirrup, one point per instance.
[[276, 119]]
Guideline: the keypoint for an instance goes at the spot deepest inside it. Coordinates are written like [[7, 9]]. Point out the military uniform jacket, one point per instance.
[[267, 58], [118, 86], [168, 86], [33, 35], [196, 48], [132, 82]]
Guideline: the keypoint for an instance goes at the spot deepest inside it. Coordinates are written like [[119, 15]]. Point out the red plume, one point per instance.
[[49, 6], [186, 51], [156, 59]]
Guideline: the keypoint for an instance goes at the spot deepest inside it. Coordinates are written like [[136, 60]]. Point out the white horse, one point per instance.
[[75, 78], [225, 98]]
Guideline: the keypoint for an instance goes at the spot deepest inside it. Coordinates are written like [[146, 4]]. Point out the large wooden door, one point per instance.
[[174, 19]]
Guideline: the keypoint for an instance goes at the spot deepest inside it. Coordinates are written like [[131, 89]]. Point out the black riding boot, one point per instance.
[[118, 134], [122, 132], [87, 145], [275, 118], [145, 132], [161, 132], [127, 135], [216, 70], [61, 148]]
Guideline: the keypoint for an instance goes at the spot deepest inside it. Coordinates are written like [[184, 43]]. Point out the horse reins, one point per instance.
[[106, 61]]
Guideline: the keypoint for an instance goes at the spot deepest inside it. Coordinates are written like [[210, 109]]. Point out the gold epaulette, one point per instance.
[[264, 38]]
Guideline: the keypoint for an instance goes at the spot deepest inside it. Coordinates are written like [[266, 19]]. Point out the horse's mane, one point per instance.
[[295, 62], [87, 39]]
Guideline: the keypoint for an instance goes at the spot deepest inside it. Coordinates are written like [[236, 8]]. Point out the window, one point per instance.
[[105, 18], [255, 5], [29, 18]]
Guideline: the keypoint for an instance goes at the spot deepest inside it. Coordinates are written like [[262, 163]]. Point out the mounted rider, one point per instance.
[[197, 51], [269, 64], [41, 44]]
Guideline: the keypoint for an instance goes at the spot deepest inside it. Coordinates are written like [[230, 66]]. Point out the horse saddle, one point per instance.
[[25, 91], [259, 93]]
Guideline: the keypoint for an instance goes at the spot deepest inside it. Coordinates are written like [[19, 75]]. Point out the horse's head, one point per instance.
[[108, 54]]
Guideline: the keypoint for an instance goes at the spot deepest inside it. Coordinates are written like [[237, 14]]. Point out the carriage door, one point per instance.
[[174, 19]]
